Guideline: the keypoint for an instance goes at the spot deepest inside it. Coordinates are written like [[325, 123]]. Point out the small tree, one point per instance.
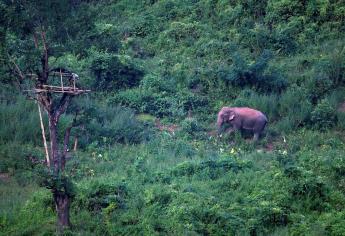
[[28, 27], [55, 106]]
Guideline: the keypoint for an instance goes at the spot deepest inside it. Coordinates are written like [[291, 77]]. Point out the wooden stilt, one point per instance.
[[43, 135], [61, 80], [75, 144]]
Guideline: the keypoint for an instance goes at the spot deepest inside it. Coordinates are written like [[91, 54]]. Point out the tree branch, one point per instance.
[[44, 59], [62, 106], [45, 101], [17, 70]]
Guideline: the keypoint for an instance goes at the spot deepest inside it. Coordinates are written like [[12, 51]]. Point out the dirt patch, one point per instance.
[[341, 108], [171, 128], [5, 177], [212, 133], [269, 147]]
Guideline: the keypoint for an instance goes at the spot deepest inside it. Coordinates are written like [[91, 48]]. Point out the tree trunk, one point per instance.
[[54, 148], [61, 198], [62, 204]]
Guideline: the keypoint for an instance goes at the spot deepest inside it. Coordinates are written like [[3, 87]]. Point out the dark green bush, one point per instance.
[[165, 103], [19, 120], [318, 87], [257, 75], [191, 126], [294, 109], [111, 73], [16, 158], [108, 124], [324, 115], [99, 196]]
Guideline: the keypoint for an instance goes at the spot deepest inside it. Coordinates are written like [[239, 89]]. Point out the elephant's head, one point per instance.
[[225, 115]]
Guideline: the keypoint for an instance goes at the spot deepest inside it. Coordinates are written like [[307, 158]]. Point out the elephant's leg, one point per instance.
[[256, 137], [229, 130]]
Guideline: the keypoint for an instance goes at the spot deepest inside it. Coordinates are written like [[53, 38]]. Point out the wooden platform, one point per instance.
[[59, 89]]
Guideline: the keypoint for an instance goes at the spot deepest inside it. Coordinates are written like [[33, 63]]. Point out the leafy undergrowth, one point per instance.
[[177, 186]]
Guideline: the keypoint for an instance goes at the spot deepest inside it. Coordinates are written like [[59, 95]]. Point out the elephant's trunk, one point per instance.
[[219, 124]]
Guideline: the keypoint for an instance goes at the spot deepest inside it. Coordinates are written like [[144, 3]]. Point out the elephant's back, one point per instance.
[[250, 112]]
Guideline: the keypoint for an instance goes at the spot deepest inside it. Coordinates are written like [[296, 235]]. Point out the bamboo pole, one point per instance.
[[43, 135], [75, 144], [61, 79]]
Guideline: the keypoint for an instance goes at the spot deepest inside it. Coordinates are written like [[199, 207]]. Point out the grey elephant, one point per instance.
[[242, 118]]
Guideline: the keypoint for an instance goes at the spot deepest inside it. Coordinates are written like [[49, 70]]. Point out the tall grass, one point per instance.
[[19, 121]]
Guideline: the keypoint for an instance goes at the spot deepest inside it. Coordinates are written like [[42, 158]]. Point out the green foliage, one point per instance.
[[34, 216], [255, 75], [15, 160], [108, 124], [111, 73], [59, 183], [323, 116], [98, 196], [160, 97], [191, 126], [333, 63], [19, 120], [295, 109]]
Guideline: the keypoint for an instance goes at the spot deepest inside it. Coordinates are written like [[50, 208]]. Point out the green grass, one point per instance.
[[176, 185]]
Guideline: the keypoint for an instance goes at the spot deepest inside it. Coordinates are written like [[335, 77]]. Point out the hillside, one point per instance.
[[148, 160]]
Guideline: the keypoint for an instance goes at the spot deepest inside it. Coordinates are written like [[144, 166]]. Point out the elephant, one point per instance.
[[242, 118]]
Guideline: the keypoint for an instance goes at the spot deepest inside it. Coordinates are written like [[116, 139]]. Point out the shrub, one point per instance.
[[294, 108], [257, 74], [19, 121], [15, 158], [191, 126], [341, 119], [35, 217], [333, 63], [324, 115], [107, 124], [318, 87], [111, 73], [100, 195]]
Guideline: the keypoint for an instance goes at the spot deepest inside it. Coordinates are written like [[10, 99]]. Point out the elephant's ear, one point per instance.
[[232, 116]]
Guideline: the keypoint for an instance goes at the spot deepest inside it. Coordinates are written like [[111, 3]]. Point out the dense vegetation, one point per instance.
[[148, 161]]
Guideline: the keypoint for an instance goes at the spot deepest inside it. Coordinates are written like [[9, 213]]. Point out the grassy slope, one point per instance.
[[186, 184]]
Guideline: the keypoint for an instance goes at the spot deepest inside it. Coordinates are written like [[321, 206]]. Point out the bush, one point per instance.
[[257, 74], [324, 115], [16, 158], [19, 120], [294, 109], [35, 217], [318, 87], [108, 124], [191, 126], [98, 196], [333, 63], [111, 73], [160, 99]]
